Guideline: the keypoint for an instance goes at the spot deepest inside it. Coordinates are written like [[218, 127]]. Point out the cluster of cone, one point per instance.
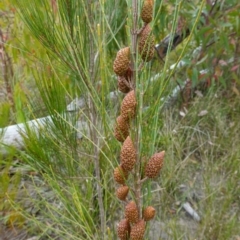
[[121, 65], [146, 40], [137, 230], [133, 225]]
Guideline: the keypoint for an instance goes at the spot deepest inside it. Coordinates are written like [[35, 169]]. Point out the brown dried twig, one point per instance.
[[7, 68]]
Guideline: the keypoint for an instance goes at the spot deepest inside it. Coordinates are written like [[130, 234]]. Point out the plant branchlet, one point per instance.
[[126, 67]]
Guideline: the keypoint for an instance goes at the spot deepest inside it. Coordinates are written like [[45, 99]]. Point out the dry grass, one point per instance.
[[201, 168]]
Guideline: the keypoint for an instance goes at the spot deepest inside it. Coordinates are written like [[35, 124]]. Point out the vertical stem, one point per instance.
[[98, 177], [7, 69], [134, 39], [137, 184], [93, 118], [135, 20]]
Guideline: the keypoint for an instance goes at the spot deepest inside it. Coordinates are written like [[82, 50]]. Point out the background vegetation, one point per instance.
[[61, 185]]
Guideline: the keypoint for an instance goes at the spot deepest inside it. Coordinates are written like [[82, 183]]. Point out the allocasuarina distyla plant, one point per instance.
[[126, 67]]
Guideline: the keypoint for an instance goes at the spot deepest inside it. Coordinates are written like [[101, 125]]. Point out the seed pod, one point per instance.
[[120, 175], [123, 229], [147, 11], [154, 165], [121, 130], [131, 212], [128, 106], [149, 213], [146, 44], [128, 155], [122, 84], [138, 230], [122, 192], [121, 62]]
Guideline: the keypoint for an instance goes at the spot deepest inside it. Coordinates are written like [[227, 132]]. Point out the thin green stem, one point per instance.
[[137, 184], [94, 120]]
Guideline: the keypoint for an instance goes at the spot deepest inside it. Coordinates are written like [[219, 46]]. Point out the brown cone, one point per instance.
[[121, 62], [138, 230], [123, 84], [146, 44], [149, 213], [154, 165], [120, 175], [123, 229], [122, 192], [128, 106], [147, 11], [128, 155], [131, 212], [121, 130]]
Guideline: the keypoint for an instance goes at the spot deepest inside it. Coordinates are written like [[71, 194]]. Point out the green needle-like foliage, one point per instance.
[[75, 35]]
